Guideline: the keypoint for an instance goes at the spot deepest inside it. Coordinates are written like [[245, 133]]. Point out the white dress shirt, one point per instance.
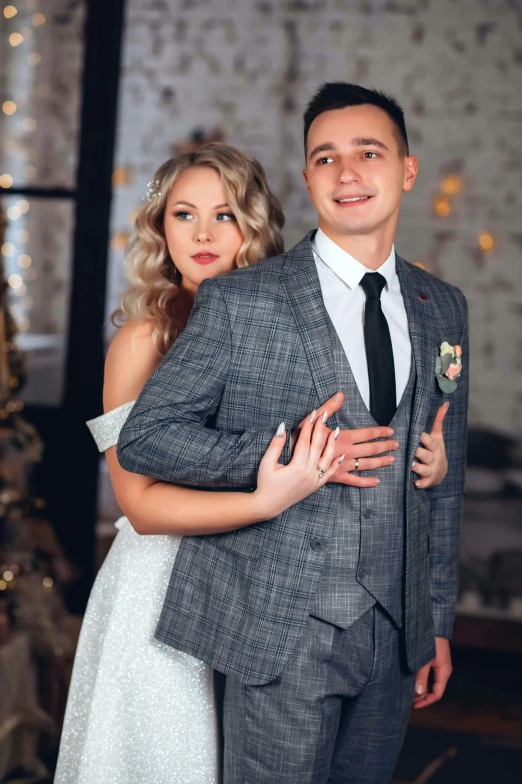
[[340, 275]]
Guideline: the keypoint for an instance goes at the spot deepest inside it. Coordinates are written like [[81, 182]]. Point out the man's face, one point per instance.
[[354, 171]]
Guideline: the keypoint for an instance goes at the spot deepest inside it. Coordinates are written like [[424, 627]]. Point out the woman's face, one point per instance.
[[202, 234]]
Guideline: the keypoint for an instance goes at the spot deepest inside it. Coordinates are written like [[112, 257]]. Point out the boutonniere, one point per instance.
[[448, 366]]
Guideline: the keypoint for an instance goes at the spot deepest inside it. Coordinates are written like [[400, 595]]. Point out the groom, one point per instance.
[[327, 619]]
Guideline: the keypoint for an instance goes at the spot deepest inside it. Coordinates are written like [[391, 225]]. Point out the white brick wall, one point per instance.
[[456, 67]]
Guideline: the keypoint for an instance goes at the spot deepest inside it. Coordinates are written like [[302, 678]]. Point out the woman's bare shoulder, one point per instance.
[[131, 359]]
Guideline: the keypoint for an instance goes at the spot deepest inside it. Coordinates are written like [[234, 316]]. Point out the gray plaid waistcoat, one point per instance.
[[365, 554]]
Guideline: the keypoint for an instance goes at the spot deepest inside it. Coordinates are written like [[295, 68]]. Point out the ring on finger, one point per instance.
[[356, 464], [320, 472]]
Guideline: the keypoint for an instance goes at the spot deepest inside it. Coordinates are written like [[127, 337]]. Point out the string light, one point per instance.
[[13, 213], [8, 575], [26, 32], [3, 585], [38, 20], [15, 39], [451, 184], [10, 11], [5, 180], [442, 206], [15, 281], [48, 582], [486, 241], [9, 107], [8, 249], [34, 59], [24, 261], [21, 291], [23, 206]]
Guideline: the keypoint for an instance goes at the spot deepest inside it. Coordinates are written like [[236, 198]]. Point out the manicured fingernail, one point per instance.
[[417, 484], [376, 481], [325, 417], [390, 431], [395, 444], [414, 465], [280, 430], [313, 416], [341, 459], [390, 459], [336, 433], [419, 688]]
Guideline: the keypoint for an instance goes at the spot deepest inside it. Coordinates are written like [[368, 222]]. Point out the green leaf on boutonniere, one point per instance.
[[446, 384], [445, 361]]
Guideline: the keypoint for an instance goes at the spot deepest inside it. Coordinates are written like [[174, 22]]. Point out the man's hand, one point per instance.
[[432, 464], [358, 447], [427, 693]]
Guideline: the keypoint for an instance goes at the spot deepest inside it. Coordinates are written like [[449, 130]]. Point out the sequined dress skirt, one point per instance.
[[138, 711]]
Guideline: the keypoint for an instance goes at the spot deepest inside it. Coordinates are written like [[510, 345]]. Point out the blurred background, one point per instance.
[[94, 96]]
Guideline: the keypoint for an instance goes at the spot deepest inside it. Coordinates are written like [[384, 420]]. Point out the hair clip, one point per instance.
[[152, 191]]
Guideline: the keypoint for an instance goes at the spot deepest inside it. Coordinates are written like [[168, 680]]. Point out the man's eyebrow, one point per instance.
[[326, 147], [361, 141], [357, 141]]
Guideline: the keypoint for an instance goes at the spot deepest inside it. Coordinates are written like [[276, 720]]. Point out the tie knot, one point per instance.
[[373, 284]]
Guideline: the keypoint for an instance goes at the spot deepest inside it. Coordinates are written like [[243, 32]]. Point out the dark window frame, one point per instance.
[[68, 476]]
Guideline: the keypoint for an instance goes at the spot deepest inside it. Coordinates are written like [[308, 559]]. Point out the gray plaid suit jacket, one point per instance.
[[256, 351]]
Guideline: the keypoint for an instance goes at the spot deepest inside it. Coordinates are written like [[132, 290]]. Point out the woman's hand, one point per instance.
[[313, 463], [432, 464]]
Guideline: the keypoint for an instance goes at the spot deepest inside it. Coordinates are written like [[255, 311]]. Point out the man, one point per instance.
[[327, 618]]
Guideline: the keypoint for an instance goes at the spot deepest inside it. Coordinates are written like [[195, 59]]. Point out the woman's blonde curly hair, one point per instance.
[[154, 279]]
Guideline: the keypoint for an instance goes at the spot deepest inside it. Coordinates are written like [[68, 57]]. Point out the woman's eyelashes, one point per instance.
[[221, 217]]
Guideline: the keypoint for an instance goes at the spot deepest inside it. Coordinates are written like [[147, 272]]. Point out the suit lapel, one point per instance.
[[424, 341], [305, 299]]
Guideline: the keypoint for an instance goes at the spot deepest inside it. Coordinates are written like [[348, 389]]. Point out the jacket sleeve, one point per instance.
[[446, 498], [169, 435]]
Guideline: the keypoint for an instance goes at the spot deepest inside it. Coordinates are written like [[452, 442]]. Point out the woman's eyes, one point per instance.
[[222, 217]]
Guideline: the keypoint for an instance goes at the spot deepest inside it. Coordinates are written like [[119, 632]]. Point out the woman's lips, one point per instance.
[[204, 258]]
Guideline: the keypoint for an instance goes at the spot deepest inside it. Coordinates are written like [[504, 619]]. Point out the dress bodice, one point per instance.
[[106, 428]]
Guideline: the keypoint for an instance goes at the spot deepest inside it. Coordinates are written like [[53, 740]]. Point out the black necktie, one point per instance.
[[379, 352]]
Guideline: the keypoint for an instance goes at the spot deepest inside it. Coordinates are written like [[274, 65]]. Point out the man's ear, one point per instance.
[[411, 169], [305, 176]]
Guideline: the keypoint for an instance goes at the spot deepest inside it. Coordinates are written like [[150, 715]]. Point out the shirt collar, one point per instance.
[[347, 267]]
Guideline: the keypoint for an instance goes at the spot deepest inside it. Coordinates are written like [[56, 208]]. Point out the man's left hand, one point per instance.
[[427, 693]]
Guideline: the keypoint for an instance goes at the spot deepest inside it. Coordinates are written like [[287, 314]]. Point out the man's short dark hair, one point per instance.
[[339, 95]]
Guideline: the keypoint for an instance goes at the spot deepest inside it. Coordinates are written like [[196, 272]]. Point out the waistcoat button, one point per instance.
[[363, 573], [367, 513], [317, 544]]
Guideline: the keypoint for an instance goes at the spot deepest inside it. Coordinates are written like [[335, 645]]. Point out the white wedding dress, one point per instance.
[[138, 711]]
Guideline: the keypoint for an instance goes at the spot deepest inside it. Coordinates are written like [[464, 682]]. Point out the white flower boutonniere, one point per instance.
[[448, 366]]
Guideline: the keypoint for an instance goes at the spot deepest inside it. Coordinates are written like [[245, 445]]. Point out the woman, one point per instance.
[[139, 711]]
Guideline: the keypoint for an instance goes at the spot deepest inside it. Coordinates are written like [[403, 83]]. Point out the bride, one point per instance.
[[139, 711]]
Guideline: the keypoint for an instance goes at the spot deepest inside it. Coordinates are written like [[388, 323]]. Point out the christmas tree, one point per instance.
[[32, 565]]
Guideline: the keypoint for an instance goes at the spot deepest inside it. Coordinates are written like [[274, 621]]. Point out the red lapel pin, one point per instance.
[[423, 297]]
